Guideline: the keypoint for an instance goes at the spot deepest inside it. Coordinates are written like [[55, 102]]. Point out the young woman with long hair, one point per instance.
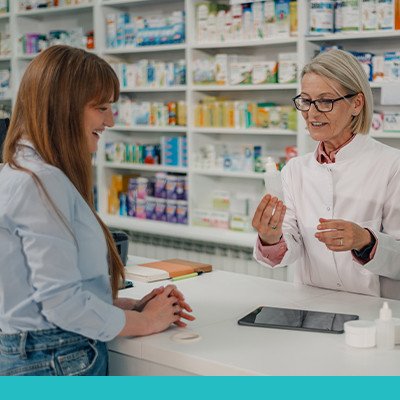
[[59, 268]]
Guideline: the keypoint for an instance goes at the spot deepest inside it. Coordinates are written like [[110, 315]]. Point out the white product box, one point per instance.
[[202, 22], [392, 66], [287, 69], [228, 26], [169, 74], [131, 73], [248, 158], [269, 19], [265, 72], [223, 61], [160, 74], [237, 22], [369, 20], [240, 73], [212, 27], [385, 14], [377, 123], [220, 219], [125, 112], [143, 66], [201, 217], [221, 19], [351, 15], [247, 23], [143, 113], [111, 30], [391, 122], [378, 68], [258, 20], [239, 114]]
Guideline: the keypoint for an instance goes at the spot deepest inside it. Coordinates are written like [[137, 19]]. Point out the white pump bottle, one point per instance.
[[272, 179], [385, 328]]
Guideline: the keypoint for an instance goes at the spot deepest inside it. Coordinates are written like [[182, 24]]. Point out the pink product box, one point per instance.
[[142, 188], [141, 208]]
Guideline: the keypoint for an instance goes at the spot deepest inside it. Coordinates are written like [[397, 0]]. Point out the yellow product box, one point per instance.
[[275, 117], [293, 18], [120, 182], [153, 113], [198, 115], [182, 113], [206, 115], [263, 118], [218, 114], [289, 118], [229, 114], [113, 202], [252, 115]]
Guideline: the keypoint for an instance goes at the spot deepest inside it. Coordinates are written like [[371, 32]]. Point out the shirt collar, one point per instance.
[[321, 155]]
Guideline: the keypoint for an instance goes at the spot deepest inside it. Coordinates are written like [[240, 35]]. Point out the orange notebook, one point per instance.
[[166, 269]]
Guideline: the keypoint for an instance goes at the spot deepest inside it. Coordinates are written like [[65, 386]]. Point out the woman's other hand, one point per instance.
[[341, 235], [268, 220]]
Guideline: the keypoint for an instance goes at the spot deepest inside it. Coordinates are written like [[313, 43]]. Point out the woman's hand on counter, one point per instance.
[[341, 235], [268, 220]]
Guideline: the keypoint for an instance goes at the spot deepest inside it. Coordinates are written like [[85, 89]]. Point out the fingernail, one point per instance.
[[319, 227], [161, 287]]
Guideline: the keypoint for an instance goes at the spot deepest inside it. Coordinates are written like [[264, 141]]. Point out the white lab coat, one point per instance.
[[362, 186]]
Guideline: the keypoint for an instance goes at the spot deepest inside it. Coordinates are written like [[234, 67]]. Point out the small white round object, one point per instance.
[[186, 337], [360, 333]]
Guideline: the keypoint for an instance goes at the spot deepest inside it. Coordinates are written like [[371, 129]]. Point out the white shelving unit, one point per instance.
[[201, 182]]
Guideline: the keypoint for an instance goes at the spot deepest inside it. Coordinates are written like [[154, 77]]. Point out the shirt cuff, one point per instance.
[[115, 323], [274, 253], [373, 251]]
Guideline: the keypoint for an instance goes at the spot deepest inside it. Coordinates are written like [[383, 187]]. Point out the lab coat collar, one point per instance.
[[24, 144], [348, 152]]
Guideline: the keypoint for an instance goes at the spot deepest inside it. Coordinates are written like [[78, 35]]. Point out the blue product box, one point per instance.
[[149, 154], [122, 20], [170, 151], [159, 186], [131, 199], [183, 153], [161, 206], [150, 207], [170, 212], [182, 212], [130, 39], [365, 60], [123, 205], [233, 162]]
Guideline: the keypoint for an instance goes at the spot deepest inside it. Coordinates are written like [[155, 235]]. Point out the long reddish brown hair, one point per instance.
[[55, 89]]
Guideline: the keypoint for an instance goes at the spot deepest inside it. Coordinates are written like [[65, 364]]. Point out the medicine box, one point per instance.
[[369, 20], [392, 66], [269, 19], [365, 60], [265, 72], [240, 73], [237, 19], [282, 17], [287, 69], [391, 122], [201, 217], [111, 30], [257, 10], [351, 16], [220, 219], [385, 12], [378, 68], [247, 22], [377, 123]]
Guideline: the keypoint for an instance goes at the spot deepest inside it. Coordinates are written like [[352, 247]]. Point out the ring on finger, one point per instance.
[[341, 242], [273, 227]]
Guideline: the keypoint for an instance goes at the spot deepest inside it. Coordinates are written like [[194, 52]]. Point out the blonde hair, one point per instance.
[[343, 68], [49, 111]]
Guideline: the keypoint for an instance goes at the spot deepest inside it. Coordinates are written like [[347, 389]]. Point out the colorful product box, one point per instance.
[[257, 10], [151, 207], [182, 212], [391, 122], [351, 15], [269, 19], [265, 72], [170, 211], [287, 70], [321, 16], [161, 206], [282, 15], [202, 218], [220, 220], [385, 12], [369, 20], [240, 73]]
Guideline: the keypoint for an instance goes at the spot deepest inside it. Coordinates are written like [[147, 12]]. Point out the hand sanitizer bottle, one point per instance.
[[272, 179], [385, 328]]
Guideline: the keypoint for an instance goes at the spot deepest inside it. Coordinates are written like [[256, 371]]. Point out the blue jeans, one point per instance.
[[52, 352]]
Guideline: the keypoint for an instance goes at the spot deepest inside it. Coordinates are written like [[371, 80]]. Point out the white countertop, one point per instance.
[[219, 299]]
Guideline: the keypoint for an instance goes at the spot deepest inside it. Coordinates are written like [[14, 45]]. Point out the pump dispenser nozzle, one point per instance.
[[270, 166], [385, 312]]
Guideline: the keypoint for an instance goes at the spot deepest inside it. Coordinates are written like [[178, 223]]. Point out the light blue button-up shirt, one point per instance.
[[46, 280]]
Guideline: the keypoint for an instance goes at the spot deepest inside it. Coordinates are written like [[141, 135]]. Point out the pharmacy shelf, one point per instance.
[[4, 15], [5, 58], [378, 35], [127, 3], [228, 174], [61, 10], [385, 135], [145, 49], [177, 88], [244, 44], [376, 85], [234, 238], [145, 167], [244, 88], [148, 128], [233, 131], [28, 57]]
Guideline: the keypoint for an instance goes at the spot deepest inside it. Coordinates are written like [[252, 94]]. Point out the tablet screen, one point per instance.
[[286, 318]]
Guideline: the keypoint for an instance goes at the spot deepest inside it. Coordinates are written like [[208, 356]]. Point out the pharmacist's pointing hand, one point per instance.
[[268, 222]]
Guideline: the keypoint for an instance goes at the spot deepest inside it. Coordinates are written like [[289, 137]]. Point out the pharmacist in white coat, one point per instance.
[[341, 218]]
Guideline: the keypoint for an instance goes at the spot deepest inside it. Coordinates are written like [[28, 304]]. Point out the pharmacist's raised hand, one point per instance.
[[268, 219]]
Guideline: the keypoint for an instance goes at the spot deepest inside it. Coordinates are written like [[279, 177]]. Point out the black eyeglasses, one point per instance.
[[323, 105]]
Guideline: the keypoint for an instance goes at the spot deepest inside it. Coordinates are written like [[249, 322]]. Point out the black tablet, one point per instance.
[[286, 318]]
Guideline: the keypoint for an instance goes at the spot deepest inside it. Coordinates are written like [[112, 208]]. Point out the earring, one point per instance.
[[354, 114]]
